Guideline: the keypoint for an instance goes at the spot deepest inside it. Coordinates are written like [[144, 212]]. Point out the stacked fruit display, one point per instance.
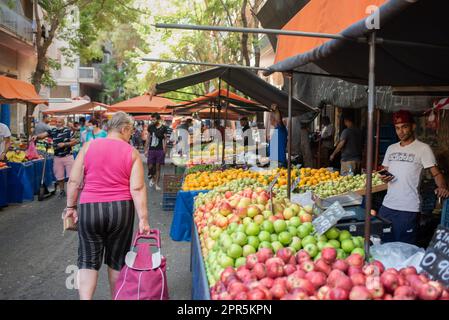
[[342, 185], [202, 168], [286, 276], [16, 156], [234, 224], [311, 177]]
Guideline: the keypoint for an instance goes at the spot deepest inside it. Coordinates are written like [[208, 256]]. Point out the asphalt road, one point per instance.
[[37, 261]]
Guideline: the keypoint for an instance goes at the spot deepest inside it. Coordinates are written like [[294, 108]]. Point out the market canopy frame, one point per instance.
[[145, 103], [18, 91]]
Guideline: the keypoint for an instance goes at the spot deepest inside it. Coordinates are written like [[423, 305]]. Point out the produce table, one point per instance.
[[49, 177], [4, 187], [181, 226], [200, 285], [20, 182]]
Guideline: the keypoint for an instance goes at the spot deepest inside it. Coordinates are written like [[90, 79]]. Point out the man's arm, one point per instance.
[[441, 190], [339, 147], [7, 145], [41, 136]]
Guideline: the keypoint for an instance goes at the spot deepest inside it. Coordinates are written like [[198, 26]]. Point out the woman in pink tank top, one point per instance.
[[113, 177]]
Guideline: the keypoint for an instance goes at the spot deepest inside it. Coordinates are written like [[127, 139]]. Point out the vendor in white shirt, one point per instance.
[[405, 160], [5, 140]]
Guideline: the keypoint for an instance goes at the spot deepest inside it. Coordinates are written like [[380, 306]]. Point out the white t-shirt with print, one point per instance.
[[4, 133], [406, 164]]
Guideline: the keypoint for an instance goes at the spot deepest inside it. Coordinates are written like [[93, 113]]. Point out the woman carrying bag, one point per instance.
[[113, 189]]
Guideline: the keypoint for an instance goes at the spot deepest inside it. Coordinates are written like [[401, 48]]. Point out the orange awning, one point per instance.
[[76, 107], [321, 16], [223, 93], [148, 117], [143, 104], [19, 91]]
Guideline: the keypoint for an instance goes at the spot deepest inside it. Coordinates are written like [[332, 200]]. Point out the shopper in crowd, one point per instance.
[[405, 161], [350, 145], [76, 134], [42, 126], [327, 141], [278, 142], [82, 121], [5, 140], [156, 148], [104, 125], [114, 188], [137, 136], [182, 136], [247, 133], [62, 144], [93, 130]]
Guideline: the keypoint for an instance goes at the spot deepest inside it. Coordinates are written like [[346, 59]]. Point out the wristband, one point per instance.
[[72, 207]]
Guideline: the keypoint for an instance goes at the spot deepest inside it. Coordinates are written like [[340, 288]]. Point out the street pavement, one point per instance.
[[37, 260]]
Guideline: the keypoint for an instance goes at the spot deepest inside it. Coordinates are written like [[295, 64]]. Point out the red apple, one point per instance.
[[228, 194], [301, 256], [429, 292], [355, 260], [266, 282], [225, 208], [278, 291], [444, 295], [229, 271], [275, 260], [343, 282], [340, 265], [307, 286], [305, 218], [266, 291], [404, 293], [241, 296], [280, 280], [374, 286], [285, 254], [390, 281], [251, 261], [307, 266], [358, 279], [388, 296], [264, 254], [323, 293], [318, 279], [236, 287], [359, 293], [408, 270], [371, 270], [323, 266], [289, 269], [292, 261], [353, 270], [275, 270], [332, 278], [299, 294], [338, 294], [329, 255], [379, 265], [259, 270], [392, 270], [256, 294]]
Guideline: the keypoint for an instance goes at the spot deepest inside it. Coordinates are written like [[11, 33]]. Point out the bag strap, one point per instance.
[[154, 235]]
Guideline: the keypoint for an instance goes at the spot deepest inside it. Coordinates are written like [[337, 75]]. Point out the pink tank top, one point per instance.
[[107, 171]]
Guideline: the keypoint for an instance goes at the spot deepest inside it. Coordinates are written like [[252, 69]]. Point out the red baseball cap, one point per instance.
[[402, 116]]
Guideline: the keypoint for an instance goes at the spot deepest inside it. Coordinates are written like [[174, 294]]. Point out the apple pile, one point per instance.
[[286, 276]]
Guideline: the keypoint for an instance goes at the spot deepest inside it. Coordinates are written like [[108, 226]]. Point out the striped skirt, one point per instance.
[[105, 229]]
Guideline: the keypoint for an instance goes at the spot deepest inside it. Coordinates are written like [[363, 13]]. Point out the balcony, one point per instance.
[[16, 23], [89, 75]]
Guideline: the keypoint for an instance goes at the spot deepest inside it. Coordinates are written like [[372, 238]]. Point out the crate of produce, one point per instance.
[[445, 214], [171, 183], [168, 201]]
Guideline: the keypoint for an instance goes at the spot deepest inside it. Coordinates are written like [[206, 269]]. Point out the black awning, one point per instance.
[[423, 21], [246, 82], [276, 13]]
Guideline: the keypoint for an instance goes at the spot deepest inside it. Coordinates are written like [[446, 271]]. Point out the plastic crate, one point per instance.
[[445, 214], [168, 201], [171, 183]]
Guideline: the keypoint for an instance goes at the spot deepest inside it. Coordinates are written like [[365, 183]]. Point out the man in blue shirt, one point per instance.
[[278, 143]]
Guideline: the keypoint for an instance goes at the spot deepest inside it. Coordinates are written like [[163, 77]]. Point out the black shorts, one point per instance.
[[104, 229]]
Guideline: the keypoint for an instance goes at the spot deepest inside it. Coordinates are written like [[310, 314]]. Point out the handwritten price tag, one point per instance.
[[436, 260], [328, 218], [295, 184], [271, 185]]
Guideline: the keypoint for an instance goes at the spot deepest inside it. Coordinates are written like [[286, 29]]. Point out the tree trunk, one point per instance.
[[256, 45], [244, 41]]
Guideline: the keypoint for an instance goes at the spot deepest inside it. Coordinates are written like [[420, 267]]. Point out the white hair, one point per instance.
[[119, 121]]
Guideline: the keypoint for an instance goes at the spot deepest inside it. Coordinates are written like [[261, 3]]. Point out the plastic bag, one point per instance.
[[398, 255], [31, 152]]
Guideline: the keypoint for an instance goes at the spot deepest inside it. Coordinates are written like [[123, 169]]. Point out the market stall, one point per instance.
[[4, 185], [144, 104]]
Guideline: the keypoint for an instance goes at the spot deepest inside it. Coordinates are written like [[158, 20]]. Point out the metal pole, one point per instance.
[[290, 124], [376, 161], [369, 157], [226, 120], [251, 30]]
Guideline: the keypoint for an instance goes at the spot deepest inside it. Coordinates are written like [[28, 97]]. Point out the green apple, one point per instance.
[[303, 231], [311, 249], [226, 243], [321, 245], [239, 238], [318, 256], [288, 213], [232, 227], [292, 230], [344, 234], [334, 243], [358, 242], [215, 232], [253, 241], [240, 228], [247, 220], [296, 243], [240, 262], [359, 251], [347, 245], [309, 226], [274, 237], [279, 226], [285, 238], [264, 236], [268, 226], [265, 244], [293, 249], [276, 245], [295, 222], [333, 233], [267, 214], [252, 229], [235, 251], [308, 239], [296, 208], [226, 262], [248, 249], [341, 254], [321, 238]]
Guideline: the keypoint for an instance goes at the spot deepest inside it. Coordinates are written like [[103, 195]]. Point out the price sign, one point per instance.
[[328, 218], [295, 184], [436, 260]]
